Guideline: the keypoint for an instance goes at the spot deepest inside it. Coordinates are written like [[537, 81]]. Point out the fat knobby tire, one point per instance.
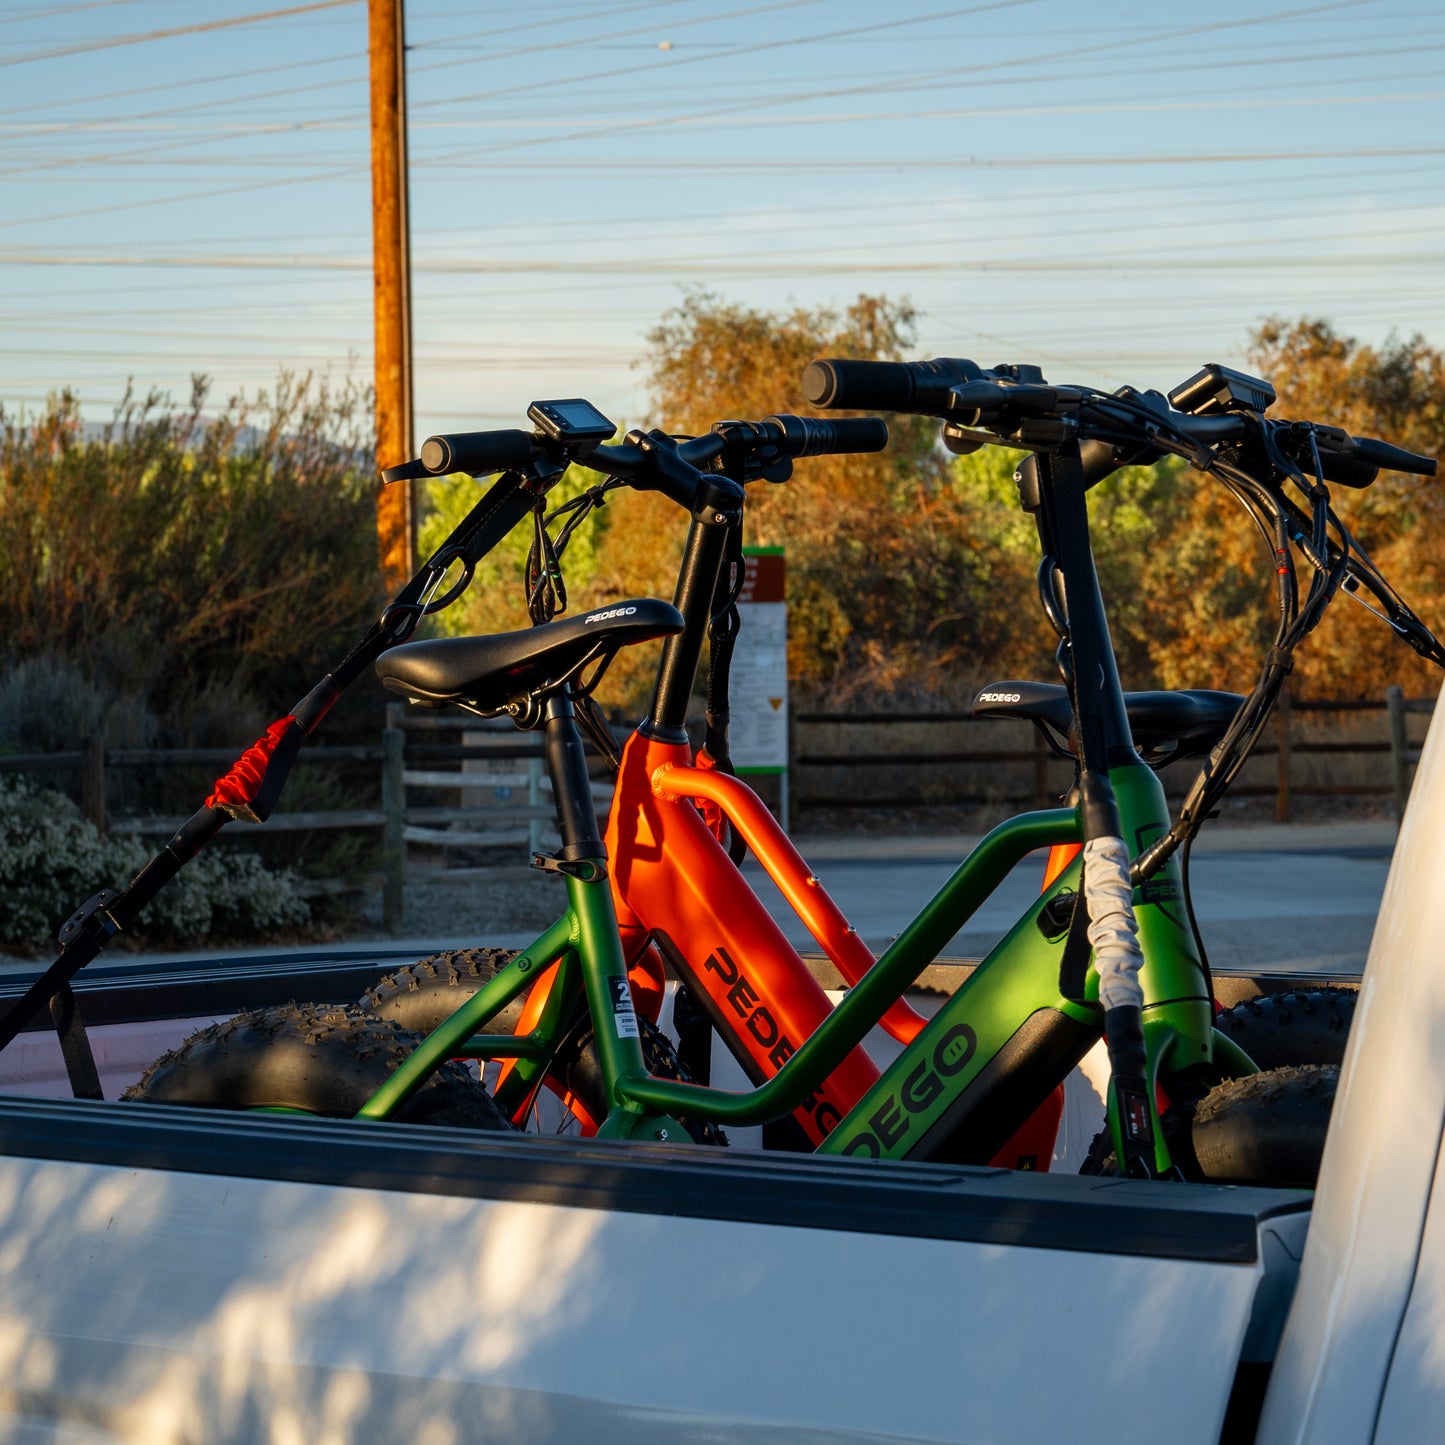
[[320, 1059], [1299, 1026], [1266, 1128], [426, 993]]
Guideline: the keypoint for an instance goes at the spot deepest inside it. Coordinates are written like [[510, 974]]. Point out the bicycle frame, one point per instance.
[[966, 1080], [970, 1077]]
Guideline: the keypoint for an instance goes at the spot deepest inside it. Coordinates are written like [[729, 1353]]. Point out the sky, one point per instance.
[[1118, 192]]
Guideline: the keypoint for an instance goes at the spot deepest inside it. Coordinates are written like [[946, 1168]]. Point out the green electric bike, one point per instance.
[[1108, 950]]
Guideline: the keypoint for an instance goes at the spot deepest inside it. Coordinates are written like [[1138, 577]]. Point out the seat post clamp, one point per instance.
[[585, 870]]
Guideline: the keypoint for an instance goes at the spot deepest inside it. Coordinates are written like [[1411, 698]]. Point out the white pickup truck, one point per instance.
[[176, 1275]]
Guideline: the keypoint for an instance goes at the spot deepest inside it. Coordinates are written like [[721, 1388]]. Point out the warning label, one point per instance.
[[624, 1017]]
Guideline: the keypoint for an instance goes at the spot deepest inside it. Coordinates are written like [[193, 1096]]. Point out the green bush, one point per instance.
[[48, 705], [52, 860], [173, 548]]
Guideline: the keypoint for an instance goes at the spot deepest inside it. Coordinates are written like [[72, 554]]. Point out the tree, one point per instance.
[[1395, 391], [912, 574], [880, 548]]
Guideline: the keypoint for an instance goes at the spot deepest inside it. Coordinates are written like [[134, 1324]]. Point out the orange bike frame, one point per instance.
[[673, 883]]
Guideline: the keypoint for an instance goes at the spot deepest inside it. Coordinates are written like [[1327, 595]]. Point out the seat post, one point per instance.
[[571, 787]]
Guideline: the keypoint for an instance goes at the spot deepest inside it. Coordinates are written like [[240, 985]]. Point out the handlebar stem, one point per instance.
[[702, 562], [1104, 737]]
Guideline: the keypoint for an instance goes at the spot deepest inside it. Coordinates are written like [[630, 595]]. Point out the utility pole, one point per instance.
[[391, 273]]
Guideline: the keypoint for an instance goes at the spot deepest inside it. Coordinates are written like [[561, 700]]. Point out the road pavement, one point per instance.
[[1295, 898], [1299, 897]]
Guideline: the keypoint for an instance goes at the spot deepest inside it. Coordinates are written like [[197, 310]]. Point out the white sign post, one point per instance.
[[758, 729]]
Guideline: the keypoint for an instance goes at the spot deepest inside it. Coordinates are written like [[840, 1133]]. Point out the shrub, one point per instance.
[[48, 705], [172, 548], [52, 860]]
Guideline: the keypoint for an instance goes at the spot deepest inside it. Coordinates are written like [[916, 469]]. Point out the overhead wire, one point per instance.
[[85, 47], [1015, 63], [309, 124], [1415, 161], [49, 12]]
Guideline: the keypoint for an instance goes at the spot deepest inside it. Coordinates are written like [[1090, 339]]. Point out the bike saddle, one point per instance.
[[1184, 724], [487, 672]]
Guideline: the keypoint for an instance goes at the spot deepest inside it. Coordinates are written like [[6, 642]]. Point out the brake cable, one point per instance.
[[1233, 750], [722, 634], [546, 587], [547, 596]]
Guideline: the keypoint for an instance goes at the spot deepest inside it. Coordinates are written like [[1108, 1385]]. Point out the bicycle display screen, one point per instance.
[[571, 420]]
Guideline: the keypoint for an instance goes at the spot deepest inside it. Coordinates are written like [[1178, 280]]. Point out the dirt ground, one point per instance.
[[480, 901]]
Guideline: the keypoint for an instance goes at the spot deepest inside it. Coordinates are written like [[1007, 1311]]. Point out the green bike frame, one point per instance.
[[1008, 1036]]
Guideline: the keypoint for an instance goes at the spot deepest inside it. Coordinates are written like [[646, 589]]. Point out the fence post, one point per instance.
[[1399, 744], [1282, 801], [92, 783], [393, 804], [534, 800], [789, 798]]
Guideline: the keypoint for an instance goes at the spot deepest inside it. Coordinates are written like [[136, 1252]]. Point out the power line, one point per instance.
[[758, 264], [754, 49], [232, 190], [1163, 101], [969, 234], [904, 222], [787, 213], [50, 12], [190, 81], [109, 159], [1016, 63], [293, 90], [84, 47], [585, 40], [865, 164], [590, 14]]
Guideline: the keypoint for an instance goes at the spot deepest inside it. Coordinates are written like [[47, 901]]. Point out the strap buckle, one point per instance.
[[92, 917]]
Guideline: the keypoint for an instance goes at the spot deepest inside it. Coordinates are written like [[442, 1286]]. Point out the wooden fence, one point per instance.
[[504, 796], [1048, 775]]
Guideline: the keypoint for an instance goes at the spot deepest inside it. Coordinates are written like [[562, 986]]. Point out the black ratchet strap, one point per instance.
[[74, 1044], [250, 790]]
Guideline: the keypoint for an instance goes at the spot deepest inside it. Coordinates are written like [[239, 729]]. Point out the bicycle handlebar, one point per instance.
[[478, 452], [972, 396], [483, 453], [1394, 459], [655, 460], [1349, 461], [818, 436], [923, 387], [642, 452]]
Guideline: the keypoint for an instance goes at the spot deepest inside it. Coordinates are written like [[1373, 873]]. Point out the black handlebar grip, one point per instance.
[[922, 387], [816, 436], [1340, 468], [1393, 459], [477, 453]]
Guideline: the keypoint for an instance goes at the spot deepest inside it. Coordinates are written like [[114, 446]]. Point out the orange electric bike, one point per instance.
[[679, 825]]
